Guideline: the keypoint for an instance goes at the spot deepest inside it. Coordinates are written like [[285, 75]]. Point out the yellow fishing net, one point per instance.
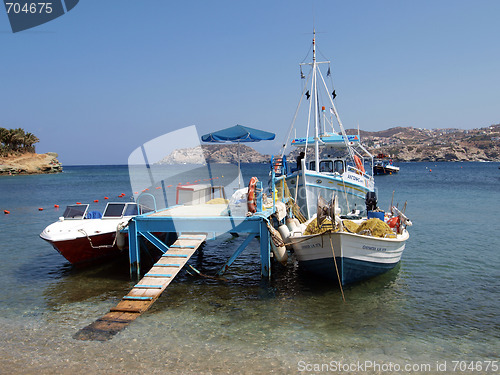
[[375, 228], [371, 227]]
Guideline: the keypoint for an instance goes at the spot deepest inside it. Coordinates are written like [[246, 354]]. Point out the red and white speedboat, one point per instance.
[[83, 236]]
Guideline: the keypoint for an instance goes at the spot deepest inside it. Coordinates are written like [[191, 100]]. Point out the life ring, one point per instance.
[[251, 196], [359, 163], [277, 165]]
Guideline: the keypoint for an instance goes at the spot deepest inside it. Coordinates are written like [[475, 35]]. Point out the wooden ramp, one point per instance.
[[144, 293]]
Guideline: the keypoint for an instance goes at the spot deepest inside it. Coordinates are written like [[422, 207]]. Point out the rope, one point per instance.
[[336, 268]]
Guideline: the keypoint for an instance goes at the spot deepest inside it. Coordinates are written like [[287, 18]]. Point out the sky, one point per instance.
[[108, 76]]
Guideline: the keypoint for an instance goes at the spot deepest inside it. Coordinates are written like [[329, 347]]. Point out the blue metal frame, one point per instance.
[[143, 226]]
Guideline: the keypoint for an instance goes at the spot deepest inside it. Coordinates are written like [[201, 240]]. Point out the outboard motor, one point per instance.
[[371, 201]]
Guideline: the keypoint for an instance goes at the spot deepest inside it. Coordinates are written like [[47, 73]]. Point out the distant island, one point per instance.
[[415, 144], [18, 156], [220, 153], [401, 143]]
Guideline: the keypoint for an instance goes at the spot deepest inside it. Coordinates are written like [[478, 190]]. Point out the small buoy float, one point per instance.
[[169, 186], [40, 209], [56, 206], [6, 212], [430, 170], [106, 198], [96, 200], [159, 187], [136, 192], [78, 202]]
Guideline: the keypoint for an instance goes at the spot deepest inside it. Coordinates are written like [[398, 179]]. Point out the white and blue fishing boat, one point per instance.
[[331, 165]]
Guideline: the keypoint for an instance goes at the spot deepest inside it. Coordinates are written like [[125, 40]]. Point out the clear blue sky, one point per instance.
[[110, 75]]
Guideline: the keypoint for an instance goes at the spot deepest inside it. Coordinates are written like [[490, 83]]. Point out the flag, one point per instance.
[[308, 95], [334, 94], [328, 74]]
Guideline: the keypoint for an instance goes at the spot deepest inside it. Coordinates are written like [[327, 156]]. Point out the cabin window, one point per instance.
[[326, 166], [338, 166], [114, 210], [75, 211], [131, 210], [312, 165]]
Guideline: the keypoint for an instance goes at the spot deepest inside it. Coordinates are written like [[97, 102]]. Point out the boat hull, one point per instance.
[[81, 250], [357, 257], [383, 170]]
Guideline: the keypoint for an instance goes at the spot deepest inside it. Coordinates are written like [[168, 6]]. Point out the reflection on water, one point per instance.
[[441, 303]]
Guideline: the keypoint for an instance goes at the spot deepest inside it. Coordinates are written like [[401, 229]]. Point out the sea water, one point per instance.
[[438, 311]]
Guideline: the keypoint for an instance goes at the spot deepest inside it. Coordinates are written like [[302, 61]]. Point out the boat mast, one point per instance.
[[315, 93]]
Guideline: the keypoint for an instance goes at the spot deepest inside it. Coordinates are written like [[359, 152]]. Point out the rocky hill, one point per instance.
[[30, 163], [219, 153], [401, 143], [414, 144]]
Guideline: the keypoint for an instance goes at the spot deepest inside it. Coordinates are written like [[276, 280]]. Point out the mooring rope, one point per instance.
[[336, 268]]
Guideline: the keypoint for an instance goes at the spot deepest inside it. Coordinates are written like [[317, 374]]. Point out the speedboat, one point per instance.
[[83, 236]]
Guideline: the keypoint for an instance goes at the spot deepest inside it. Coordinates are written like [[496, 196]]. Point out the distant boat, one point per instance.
[[383, 165]]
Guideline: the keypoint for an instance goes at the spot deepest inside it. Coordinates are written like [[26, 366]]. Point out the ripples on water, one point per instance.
[[440, 303]]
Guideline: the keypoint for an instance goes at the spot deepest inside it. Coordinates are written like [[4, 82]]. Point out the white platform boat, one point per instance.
[[83, 236]]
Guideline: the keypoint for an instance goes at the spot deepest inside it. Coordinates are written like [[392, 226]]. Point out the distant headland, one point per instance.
[[18, 156]]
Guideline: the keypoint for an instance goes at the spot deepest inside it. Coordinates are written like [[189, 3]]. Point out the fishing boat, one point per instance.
[[331, 168], [83, 236], [383, 165]]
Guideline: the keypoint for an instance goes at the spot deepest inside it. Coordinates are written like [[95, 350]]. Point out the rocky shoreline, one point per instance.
[[30, 163]]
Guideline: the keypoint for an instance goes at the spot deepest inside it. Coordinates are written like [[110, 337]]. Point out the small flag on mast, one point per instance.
[[308, 95], [334, 94], [328, 74]]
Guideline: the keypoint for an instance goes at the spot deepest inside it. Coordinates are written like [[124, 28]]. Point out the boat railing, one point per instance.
[[141, 205], [352, 169]]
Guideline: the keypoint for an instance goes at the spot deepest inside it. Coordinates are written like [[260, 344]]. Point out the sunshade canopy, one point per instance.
[[238, 133]]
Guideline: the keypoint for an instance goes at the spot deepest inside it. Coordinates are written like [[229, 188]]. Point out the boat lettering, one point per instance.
[[373, 248], [352, 177], [311, 246]]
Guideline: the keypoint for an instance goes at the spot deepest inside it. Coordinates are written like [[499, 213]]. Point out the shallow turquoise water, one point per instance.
[[441, 303]]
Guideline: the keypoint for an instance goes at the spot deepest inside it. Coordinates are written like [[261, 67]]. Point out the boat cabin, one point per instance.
[[328, 166]]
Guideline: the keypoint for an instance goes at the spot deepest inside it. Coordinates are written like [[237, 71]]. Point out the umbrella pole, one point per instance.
[[239, 167]]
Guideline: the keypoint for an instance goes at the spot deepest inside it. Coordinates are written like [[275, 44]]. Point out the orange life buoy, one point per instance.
[[359, 164], [251, 197]]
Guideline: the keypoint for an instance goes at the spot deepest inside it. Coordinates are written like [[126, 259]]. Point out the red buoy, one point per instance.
[[6, 212], [96, 200], [40, 209], [78, 202], [56, 206], [106, 198]]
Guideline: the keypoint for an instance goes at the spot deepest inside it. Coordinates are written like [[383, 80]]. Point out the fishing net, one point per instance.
[[375, 228]]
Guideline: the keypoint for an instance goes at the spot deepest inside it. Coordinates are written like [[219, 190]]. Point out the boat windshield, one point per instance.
[[114, 210], [131, 210], [75, 211]]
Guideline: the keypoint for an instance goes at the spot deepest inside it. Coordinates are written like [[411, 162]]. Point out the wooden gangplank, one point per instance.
[[145, 292]]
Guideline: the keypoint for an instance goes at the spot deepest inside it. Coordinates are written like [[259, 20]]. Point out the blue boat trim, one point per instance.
[[350, 270]]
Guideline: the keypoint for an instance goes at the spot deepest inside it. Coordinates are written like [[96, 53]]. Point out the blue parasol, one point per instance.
[[237, 134]]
